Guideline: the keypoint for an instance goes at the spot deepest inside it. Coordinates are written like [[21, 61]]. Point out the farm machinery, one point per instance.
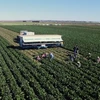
[[28, 39]]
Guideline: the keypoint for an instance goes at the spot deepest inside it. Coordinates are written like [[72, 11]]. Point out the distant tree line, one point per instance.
[[31, 21]]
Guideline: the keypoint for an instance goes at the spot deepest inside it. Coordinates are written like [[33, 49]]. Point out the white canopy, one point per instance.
[[41, 38]]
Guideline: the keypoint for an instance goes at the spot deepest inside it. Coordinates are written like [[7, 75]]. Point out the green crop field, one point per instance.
[[15, 23], [86, 37], [24, 78]]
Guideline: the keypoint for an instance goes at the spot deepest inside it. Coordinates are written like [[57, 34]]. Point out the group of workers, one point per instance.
[[72, 57], [90, 57], [76, 53], [45, 55]]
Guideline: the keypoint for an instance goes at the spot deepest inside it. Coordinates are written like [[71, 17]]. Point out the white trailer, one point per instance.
[[40, 41]]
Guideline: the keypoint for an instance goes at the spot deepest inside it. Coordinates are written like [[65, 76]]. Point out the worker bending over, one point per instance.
[[51, 56]]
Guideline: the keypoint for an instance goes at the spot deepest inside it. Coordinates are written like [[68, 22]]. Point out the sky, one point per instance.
[[73, 10]]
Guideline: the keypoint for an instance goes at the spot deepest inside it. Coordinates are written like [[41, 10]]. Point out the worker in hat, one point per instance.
[[43, 55], [79, 64], [51, 56], [98, 59], [89, 56], [38, 58]]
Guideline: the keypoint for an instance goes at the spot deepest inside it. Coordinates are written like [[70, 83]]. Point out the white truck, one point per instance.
[[30, 40]]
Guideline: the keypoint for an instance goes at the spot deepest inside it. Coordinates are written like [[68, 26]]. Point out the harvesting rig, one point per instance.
[[28, 39]]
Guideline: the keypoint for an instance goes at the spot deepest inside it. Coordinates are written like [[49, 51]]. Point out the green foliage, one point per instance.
[[22, 79]]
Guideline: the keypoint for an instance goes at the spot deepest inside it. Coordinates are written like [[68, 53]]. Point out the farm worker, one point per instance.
[[76, 51], [71, 58], [89, 55], [38, 58], [79, 64], [46, 54], [98, 59], [43, 55], [51, 56]]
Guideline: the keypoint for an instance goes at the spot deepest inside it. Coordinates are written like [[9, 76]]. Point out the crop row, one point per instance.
[[51, 80], [75, 78], [26, 77]]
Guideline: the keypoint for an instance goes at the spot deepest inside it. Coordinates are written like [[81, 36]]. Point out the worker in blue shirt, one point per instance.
[[51, 56]]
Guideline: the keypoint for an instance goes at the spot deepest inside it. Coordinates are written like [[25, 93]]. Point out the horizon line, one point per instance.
[[47, 20]]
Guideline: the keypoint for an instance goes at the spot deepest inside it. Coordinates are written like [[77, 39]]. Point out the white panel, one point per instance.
[[41, 38]]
